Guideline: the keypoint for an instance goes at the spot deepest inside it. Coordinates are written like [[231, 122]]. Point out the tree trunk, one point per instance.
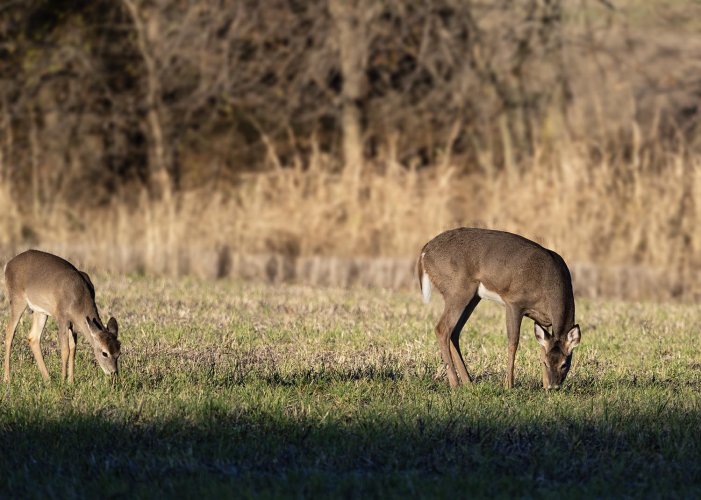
[[159, 176], [349, 19]]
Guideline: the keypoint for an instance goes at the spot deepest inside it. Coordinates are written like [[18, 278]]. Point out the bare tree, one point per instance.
[[351, 21], [162, 92], [147, 28]]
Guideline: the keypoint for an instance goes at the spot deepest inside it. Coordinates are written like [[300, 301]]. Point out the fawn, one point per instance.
[[52, 286]]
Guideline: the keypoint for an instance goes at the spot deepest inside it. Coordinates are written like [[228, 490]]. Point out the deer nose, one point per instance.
[[554, 387]]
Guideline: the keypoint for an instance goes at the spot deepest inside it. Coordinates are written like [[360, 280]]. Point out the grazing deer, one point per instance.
[[51, 286], [469, 264]]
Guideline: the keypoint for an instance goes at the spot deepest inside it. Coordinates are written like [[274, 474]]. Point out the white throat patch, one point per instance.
[[36, 308], [484, 293]]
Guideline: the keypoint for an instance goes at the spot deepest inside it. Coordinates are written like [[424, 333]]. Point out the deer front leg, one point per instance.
[[38, 323], [513, 332]]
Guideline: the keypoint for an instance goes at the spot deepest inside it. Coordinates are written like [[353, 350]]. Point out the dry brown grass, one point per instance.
[[610, 180], [626, 228]]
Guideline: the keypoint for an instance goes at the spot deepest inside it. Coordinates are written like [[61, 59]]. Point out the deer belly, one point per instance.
[[485, 293]]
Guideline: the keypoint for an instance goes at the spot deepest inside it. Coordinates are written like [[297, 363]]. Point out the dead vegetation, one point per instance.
[[311, 162]]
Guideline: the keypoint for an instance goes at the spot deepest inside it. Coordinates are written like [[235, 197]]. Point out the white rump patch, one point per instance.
[[484, 293], [38, 309]]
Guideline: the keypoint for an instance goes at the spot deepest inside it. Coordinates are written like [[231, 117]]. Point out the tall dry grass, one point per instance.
[[628, 229], [608, 176]]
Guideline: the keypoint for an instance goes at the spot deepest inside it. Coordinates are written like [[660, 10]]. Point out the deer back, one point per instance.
[[523, 273]]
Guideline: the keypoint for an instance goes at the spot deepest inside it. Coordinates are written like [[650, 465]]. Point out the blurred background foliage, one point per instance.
[[359, 127]]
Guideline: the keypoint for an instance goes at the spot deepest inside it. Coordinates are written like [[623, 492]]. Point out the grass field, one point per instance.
[[247, 390]]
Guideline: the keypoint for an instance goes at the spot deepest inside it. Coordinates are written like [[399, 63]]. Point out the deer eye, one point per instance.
[[104, 354]]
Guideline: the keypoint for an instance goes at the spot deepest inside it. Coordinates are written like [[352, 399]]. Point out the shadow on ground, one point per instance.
[[253, 451]]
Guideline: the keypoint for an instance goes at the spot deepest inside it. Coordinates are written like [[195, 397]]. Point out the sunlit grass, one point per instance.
[[292, 391]]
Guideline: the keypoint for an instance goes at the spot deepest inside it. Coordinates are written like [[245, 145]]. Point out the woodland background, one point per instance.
[[325, 141]]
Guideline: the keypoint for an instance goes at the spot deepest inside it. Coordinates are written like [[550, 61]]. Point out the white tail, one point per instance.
[[424, 279], [426, 287]]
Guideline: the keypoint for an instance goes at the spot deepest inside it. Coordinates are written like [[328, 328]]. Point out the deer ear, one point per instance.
[[573, 338], [541, 335], [89, 323], [112, 327]]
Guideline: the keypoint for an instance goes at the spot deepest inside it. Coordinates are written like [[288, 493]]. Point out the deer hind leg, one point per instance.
[[458, 360], [443, 335], [72, 338], [448, 328], [16, 310], [513, 332], [38, 323], [63, 339]]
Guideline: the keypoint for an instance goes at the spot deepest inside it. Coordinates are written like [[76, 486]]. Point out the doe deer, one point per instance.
[[470, 264], [52, 286]]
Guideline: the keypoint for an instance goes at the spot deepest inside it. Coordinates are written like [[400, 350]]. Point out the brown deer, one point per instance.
[[470, 264], [51, 286]]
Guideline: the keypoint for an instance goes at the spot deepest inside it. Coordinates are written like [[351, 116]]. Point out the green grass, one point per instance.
[[247, 390]]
